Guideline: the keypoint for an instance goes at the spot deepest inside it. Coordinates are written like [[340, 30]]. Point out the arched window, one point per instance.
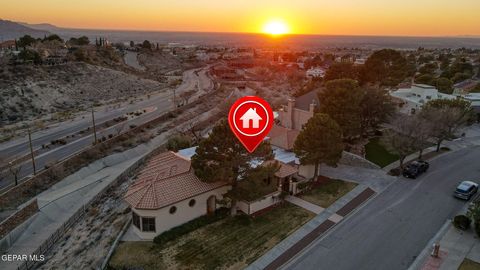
[[173, 209], [191, 203]]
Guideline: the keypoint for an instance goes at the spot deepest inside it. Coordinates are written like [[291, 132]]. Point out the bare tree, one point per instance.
[[446, 118], [119, 127], [14, 170], [407, 135]]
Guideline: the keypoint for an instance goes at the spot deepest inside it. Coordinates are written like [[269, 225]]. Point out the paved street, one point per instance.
[[192, 80], [393, 228]]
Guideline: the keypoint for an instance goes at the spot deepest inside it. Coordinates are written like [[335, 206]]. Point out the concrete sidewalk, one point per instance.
[[455, 246], [313, 229], [376, 179], [304, 204]]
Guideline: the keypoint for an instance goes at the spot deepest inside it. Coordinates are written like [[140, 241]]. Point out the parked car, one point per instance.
[[415, 168], [465, 190]]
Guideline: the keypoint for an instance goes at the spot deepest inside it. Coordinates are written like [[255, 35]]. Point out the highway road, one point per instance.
[[392, 229], [196, 79]]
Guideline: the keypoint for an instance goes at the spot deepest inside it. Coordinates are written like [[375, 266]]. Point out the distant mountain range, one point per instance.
[[11, 30], [41, 26]]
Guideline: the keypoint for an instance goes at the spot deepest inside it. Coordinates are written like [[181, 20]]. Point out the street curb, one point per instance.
[[329, 230], [418, 262]]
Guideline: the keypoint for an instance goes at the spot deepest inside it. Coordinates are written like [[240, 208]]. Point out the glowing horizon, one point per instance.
[[322, 17]]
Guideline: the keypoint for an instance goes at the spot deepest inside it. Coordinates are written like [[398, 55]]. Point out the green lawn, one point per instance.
[[231, 243], [469, 265], [376, 153], [327, 193]]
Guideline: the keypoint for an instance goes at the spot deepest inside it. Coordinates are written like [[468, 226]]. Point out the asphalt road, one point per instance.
[[192, 80], [393, 228]]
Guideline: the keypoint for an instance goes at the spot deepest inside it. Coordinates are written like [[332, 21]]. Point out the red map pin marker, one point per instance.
[[250, 119]]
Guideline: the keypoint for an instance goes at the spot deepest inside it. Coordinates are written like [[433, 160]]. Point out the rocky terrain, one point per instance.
[[33, 91]]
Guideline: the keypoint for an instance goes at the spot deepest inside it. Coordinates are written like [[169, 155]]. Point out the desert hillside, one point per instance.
[[32, 91]]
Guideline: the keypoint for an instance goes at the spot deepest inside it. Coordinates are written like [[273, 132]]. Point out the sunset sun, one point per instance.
[[276, 27]]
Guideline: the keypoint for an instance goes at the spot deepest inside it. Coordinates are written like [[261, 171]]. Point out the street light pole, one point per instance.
[[31, 152], [94, 128]]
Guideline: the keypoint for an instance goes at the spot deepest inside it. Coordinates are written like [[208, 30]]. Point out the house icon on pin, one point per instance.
[[251, 115]]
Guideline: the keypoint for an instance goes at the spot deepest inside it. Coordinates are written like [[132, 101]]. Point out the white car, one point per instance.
[[466, 189]]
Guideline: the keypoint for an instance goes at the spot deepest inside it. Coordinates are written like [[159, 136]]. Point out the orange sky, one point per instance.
[[337, 17]]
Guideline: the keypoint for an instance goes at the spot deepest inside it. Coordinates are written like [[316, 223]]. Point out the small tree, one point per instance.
[[146, 44], [320, 141], [221, 157], [178, 142]]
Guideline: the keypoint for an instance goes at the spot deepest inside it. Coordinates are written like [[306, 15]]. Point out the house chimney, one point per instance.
[[290, 106], [312, 106]]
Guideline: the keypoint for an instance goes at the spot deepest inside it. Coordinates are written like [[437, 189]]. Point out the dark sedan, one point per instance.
[[415, 168]]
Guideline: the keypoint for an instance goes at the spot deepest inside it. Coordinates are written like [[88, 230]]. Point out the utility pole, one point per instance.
[[94, 128], [31, 152]]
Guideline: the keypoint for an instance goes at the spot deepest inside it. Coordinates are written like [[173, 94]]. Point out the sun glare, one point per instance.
[[276, 28]]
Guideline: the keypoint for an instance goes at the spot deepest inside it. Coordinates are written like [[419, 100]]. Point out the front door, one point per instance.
[[211, 204]]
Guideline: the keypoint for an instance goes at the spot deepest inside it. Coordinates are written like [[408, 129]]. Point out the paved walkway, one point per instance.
[[376, 179], [304, 204], [316, 227]]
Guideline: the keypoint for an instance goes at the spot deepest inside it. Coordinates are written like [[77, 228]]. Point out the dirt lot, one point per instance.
[[86, 245]]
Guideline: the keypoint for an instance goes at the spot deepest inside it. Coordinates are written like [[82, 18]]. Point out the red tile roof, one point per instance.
[[283, 137], [284, 170], [166, 179]]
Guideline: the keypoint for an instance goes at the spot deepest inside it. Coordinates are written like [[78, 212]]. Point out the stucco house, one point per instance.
[[284, 132], [411, 100], [167, 194]]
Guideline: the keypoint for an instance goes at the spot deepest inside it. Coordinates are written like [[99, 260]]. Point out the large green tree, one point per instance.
[[320, 141], [342, 70], [376, 107], [444, 85], [25, 41], [221, 157], [387, 67], [341, 101]]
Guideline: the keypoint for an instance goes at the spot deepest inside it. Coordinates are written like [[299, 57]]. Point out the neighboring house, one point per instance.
[[411, 100], [282, 137], [466, 86], [251, 116], [167, 194], [315, 72]]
